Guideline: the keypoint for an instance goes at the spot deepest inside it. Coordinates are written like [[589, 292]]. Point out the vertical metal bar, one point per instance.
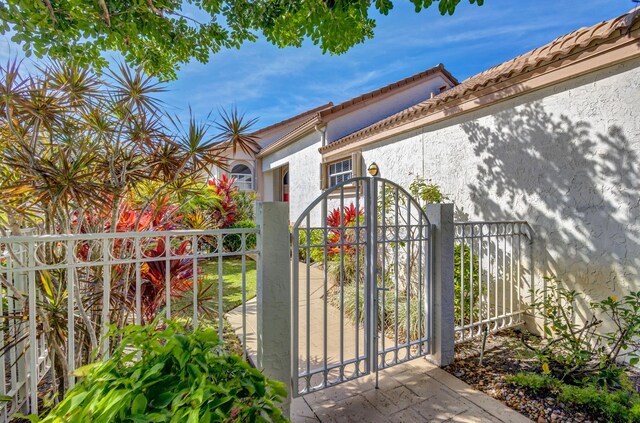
[[495, 277], [472, 284], [408, 281], [194, 250], [395, 273], [71, 328], [167, 276], [308, 304], [33, 356], [518, 271], [325, 241], [372, 306], [295, 311], [106, 296], [383, 269], [504, 274], [243, 248], [342, 251], [13, 306], [220, 288], [3, 334], [421, 286], [357, 281], [481, 297], [138, 317], [511, 287], [462, 302]]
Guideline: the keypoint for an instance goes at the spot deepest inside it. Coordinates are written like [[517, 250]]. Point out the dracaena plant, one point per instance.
[[86, 153]]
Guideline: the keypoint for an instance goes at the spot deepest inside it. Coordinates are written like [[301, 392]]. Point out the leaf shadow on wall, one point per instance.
[[577, 187]]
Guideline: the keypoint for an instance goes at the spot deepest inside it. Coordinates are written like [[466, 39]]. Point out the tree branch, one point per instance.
[[153, 8], [106, 16], [51, 11]]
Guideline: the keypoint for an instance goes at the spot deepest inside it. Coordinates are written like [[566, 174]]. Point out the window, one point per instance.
[[243, 177], [340, 172], [336, 172]]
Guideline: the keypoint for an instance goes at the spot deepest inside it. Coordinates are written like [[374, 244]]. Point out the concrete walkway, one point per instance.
[[417, 391]]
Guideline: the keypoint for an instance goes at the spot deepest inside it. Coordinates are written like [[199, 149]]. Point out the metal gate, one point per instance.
[[361, 285]]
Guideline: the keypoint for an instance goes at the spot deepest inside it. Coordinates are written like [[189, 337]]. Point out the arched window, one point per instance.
[[243, 176]]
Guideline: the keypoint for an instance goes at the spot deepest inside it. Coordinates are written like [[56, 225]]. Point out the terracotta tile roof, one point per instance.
[[558, 49], [324, 111], [293, 118], [387, 88]]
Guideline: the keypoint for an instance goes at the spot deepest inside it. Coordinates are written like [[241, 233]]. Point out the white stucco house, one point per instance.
[[551, 137]]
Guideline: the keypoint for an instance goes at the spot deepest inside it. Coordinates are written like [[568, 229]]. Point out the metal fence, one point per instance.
[[94, 280], [493, 272]]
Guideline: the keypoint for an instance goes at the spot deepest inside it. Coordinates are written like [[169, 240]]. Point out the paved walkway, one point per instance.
[[417, 391]]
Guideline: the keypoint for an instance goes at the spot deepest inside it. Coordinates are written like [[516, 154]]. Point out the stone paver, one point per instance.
[[417, 391]]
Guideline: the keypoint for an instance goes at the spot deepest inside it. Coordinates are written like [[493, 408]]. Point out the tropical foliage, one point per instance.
[[160, 35], [170, 375], [81, 153]]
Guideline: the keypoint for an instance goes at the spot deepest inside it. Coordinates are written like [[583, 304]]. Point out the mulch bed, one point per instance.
[[505, 355]]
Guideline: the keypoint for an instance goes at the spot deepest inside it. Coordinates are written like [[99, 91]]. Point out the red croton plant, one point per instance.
[[160, 215], [341, 222], [225, 213]]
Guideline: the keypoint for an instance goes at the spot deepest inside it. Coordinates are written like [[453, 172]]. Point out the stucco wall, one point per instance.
[[304, 161], [565, 158]]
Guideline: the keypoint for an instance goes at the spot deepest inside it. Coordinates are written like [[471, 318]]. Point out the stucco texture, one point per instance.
[[565, 158]]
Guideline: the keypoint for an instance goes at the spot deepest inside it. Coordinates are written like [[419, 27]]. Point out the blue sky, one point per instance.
[[273, 84]]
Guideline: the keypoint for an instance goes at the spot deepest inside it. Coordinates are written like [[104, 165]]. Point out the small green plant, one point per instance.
[[465, 270], [233, 242], [316, 237], [575, 350], [427, 191], [169, 375], [534, 382]]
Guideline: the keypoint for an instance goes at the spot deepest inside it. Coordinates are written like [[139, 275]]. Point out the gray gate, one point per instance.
[[362, 286]]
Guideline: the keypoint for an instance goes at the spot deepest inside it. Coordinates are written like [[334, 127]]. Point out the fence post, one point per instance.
[[441, 218], [273, 294]]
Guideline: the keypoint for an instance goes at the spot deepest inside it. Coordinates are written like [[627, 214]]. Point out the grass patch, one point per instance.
[[208, 297], [232, 281]]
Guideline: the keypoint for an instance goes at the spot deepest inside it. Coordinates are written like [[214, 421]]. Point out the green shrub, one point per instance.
[[245, 204], [575, 350], [316, 254], [426, 191], [534, 382], [170, 375], [619, 405], [616, 406], [233, 242], [462, 272]]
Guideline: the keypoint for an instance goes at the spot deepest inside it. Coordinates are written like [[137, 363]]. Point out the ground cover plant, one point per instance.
[[166, 373]]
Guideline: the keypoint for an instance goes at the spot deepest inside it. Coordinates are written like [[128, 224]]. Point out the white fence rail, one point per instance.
[[493, 269], [89, 281]]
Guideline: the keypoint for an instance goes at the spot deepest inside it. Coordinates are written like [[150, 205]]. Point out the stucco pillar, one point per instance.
[[441, 217], [273, 294]]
